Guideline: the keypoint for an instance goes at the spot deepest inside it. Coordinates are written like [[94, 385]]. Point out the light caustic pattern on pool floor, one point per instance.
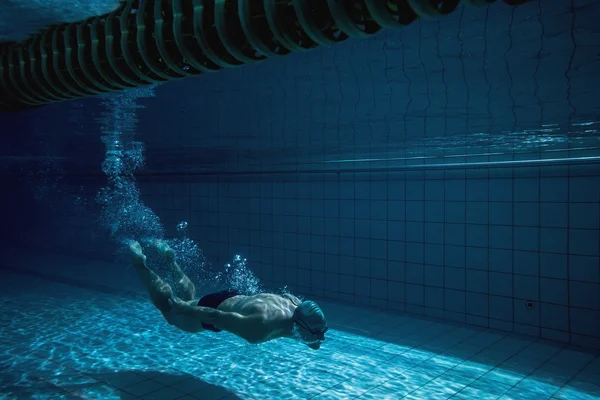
[[61, 342]]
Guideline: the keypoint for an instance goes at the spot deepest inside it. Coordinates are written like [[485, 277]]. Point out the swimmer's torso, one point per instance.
[[271, 316], [270, 305]]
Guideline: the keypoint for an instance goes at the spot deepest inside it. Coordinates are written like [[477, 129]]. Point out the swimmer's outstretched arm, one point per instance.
[[229, 321]]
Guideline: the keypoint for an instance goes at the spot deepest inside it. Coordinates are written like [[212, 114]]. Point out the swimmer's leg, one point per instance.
[[172, 308], [160, 292], [183, 286]]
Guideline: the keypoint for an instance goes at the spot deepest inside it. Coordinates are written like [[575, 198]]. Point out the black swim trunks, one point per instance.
[[213, 300]]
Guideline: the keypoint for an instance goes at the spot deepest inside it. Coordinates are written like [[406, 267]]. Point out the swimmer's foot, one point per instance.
[[163, 248], [136, 250]]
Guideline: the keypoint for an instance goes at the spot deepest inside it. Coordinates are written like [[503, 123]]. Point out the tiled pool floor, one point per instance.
[[59, 341]]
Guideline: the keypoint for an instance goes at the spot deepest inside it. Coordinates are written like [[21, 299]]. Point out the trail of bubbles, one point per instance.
[[123, 212], [126, 216]]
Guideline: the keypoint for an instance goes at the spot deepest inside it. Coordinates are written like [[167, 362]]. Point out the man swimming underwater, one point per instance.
[[256, 319]]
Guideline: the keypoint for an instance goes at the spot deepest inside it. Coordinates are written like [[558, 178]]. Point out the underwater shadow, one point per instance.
[[147, 384]]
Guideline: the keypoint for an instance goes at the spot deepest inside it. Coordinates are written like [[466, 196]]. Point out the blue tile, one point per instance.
[[317, 279], [317, 208], [584, 268], [553, 240], [379, 190], [455, 212], [553, 265], [454, 256], [434, 297], [526, 238], [396, 210], [332, 190], [317, 243], [362, 209], [554, 215], [501, 237], [455, 190], [346, 227], [346, 283], [378, 209], [332, 226], [346, 208], [526, 262], [396, 271], [414, 294], [584, 295], [477, 235], [584, 189], [378, 248], [477, 213], [434, 190], [317, 226], [396, 230], [526, 214], [415, 190], [302, 242], [554, 189], [584, 242], [434, 254], [378, 229], [585, 321], [501, 190], [304, 208], [501, 308], [362, 267], [524, 315], [414, 273], [501, 260], [454, 234], [526, 287], [477, 304], [526, 189], [415, 211], [554, 291], [303, 258], [455, 278], [454, 300], [554, 316], [362, 248], [317, 189], [379, 289], [396, 189], [397, 292], [291, 207], [501, 284], [346, 246], [415, 231], [477, 189], [332, 263], [477, 281], [379, 269], [434, 275], [415, 252], [434, 232], [362, 286], [346, 190], [396, 251], [584, 215], [501, 213], [434, 211]]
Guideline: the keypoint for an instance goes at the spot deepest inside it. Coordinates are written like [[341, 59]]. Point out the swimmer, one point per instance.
[[256, 319]]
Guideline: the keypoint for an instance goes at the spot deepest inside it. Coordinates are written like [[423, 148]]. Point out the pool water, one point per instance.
[[77, 337]]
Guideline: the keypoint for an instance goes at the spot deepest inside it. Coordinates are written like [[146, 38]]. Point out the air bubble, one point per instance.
[[182, 228]]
